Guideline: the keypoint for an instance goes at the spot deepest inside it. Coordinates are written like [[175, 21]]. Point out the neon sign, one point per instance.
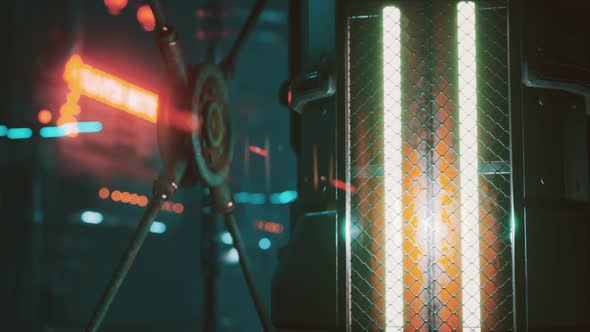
[[83, 79]]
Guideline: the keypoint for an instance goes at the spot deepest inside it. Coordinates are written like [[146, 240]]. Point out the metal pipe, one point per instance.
[[230, 60], [126, 262], [167, 41], [209, 262], [159, 16]]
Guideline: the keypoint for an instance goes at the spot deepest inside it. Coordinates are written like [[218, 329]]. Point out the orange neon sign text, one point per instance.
[[85, 80]]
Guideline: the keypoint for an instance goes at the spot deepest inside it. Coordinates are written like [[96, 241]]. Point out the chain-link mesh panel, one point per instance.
[[429, 158]]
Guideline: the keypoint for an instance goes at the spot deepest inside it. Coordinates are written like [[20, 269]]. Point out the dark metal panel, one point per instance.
[[556, 164], [558, 155], [305, 289], [318, 156], [308, 283], [556, 43]]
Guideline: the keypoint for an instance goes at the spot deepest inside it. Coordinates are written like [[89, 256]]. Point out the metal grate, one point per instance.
[[429, 156]]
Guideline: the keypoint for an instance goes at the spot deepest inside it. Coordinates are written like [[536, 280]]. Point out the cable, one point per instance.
[[232, 227], [124, 266]]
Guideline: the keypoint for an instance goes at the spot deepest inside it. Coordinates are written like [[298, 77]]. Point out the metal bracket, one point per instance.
[[556, 76], [307, 88]]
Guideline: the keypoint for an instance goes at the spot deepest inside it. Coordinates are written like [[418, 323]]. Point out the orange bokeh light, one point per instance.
[[178, 208], [44, 116], [134, 199], [115, 7], [125, 197], [145, 16], [142, 201], [104, 193], [269, 226], [137, 199], [116, 196], [85, 80]]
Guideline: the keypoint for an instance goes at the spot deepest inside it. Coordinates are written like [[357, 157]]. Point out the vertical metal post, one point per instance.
[[295, 66], [341, 164], [209, 261], [519, 239], [209, 230], [37, 218], [268, 176]]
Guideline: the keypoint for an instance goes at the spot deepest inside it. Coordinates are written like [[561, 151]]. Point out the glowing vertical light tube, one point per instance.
[[392, 149], [468, 151]]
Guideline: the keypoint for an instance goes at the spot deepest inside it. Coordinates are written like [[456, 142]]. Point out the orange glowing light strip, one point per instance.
[[269, 226], [70, 109], [258, 151], [343, 186], [136, 199], [85, 80]]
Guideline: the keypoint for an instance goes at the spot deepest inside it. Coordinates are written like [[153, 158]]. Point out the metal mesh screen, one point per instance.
[[429, 157]]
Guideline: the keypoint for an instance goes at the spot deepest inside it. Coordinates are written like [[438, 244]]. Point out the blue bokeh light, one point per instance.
[[264, 243], [19, 133], [91, 217], [226, 238], [158, 227]]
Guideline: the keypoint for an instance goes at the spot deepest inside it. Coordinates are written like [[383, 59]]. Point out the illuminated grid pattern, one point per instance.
[[429, 151]]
